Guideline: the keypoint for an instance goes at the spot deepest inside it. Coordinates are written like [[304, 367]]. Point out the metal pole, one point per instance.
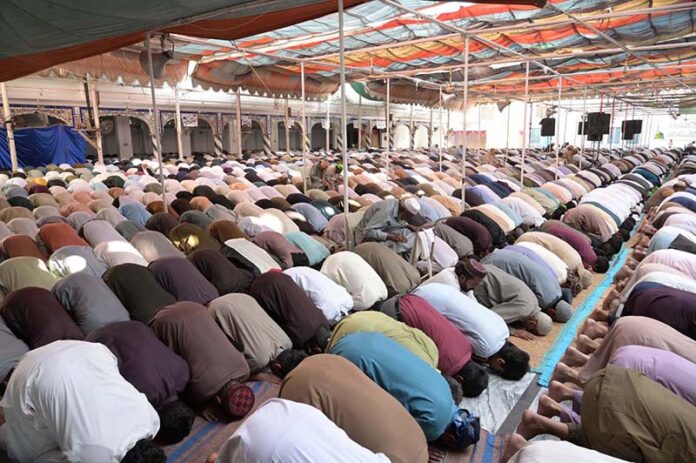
[[611, 131], [388, 119], [412, 136], [304, 130], [633, 140], [344, 121], [328, 124], [479, 135], [507, 132], [239, 122], [584, 120], [177, 121], [95, 115], [623, 141], [287, 126], [440, 145], [526, 118], [8, 126], [448, 129], [466, 104], [558, 124], [360, 130], [156, 128]]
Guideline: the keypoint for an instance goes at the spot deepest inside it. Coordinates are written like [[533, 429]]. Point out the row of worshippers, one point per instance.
[[230, 396], [626, 391]]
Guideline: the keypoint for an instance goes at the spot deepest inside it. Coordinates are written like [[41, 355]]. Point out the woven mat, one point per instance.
[[207, 437]]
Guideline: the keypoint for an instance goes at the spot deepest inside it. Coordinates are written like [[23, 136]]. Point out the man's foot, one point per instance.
[[212, 457], [586, 345], [594, 329], [560, 392], [548, 407], [531, 425], [599, 315], [613, 295], [514, 443], [625, 272], [574, 358], [565, 374]]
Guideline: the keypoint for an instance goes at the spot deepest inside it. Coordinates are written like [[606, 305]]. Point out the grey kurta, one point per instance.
[[546, 289], [398, 275], [457, 241], [244, 321], [90, 301], [380, 220], [11, 349], [506, 295]]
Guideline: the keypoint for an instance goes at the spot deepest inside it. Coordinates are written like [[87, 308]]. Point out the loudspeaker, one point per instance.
[[548, 127], [159, 62], [630, 128], [598, 123]]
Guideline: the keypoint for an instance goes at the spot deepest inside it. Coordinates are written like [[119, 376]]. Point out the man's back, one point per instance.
[[68, 397]]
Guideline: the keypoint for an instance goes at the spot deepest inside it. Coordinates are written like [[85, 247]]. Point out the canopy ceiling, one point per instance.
[[261, 46]]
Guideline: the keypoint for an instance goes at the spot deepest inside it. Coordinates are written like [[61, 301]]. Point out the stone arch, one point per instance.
[[295, 134], [252, 137], [202, 136], [318, 136], [402, 136], [421, 137]]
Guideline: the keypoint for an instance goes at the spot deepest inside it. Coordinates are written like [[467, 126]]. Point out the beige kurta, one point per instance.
[[366, 412], [627, 415], [244, 321]]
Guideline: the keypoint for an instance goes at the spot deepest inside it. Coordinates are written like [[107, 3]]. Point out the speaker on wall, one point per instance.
[[598, 123], [548, 127]]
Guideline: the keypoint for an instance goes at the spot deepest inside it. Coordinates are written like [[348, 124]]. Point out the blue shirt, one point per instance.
[[313, 249], [419, 387]]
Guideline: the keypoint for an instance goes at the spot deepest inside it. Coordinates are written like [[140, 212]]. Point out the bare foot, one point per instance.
[[560, 392], [514, 444], [565, 374], [625, 272], [530, 425], [594, 329], [548, 407], [599, 315], [620, 285], [574, 358], [212, 457], [631, 263], [586, 345]]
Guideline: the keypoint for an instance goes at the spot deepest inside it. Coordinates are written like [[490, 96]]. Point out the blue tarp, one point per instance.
[[42, 146]]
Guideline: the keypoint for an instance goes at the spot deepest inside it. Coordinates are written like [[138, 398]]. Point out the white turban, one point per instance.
[[411, 205]]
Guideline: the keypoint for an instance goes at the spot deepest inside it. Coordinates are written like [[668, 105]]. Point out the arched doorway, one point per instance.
[[33, 120], [352, 137], [402, 137], [377, 138], [421, 137], [169, 141], [202, 139], [140, 137], [252, 138], [318, 139], [295, 135]]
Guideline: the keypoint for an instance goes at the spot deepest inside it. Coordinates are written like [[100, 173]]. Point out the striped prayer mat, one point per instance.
[[207, 437]]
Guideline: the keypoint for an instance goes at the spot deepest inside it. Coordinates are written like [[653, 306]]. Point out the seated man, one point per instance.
[[626, 415], [217, 368], [551, 297], [153, 369], [502, 293], [354, 403], [36, 317], [413, 339], [308, 437], [453, 347], [487, 331], [386, 221], [67, 402], [421, 390]]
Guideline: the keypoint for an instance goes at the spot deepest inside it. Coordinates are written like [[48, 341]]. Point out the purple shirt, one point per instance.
[[534, 256], [588, 255], [666, 368]]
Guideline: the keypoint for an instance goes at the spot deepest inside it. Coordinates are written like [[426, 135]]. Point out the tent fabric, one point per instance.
[[42, 146], [48, 35]]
